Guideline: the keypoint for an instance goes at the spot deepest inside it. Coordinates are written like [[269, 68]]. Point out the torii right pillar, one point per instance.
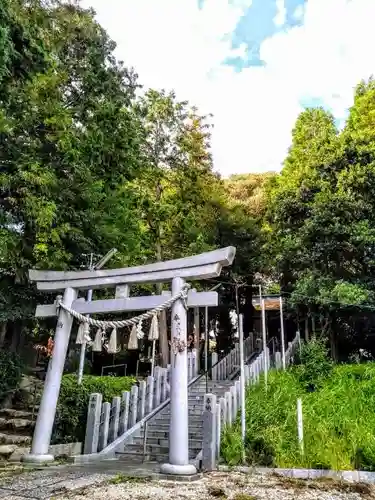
[[179, 425]]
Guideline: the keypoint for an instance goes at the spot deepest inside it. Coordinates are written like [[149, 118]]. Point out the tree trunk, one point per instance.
[[333, 343], [307, 328], [224, 338], [3, 332], [163, 331], [15, 336], [313, 324], [197, 336], [247, 312]]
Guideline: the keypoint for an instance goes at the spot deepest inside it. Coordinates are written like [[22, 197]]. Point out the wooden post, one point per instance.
[[282, 334], [264, 336], [300, 425], [242, 383]]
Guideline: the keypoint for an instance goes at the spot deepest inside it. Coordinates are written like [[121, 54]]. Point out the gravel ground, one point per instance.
[[227, 486]]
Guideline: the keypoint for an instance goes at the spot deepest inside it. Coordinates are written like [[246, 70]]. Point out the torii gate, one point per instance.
[[198, 267]]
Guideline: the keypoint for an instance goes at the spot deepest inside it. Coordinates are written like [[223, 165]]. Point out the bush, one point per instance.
[[11, 368], [71, 415], [315, 366]]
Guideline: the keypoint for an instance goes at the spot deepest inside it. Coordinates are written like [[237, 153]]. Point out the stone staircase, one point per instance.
[[135, 425], [16, 428], [152, 445], [17, 421]]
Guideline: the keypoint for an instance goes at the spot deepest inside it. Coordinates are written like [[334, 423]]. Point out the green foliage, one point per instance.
[[320, 217], [70, 423], [10, 372], [315, 365], [338, 422]]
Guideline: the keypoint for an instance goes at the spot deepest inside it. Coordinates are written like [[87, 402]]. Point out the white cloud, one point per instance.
[[280, 18], [299, 13], [174, 45]]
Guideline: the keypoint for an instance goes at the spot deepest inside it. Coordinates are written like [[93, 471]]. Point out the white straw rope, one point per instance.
[[127, 322]]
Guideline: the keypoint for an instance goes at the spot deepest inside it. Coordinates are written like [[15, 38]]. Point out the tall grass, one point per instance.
[[339, 422]]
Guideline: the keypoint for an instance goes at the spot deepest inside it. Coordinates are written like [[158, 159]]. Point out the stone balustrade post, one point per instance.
[[93, 423], [209, 444]]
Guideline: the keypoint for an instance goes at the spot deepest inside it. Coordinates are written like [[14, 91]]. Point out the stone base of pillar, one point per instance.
[[178, 470], [38, 459]]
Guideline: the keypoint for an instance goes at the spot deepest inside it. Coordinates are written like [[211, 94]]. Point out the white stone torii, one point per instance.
[[198, 267]]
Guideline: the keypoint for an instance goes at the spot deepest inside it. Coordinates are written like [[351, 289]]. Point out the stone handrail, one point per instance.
[[221, 413], [108, 421]]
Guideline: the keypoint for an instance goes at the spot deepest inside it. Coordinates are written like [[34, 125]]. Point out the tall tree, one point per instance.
[[68, 162], [320, 219]]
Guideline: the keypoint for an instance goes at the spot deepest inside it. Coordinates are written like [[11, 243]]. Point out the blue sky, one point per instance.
[[254, 64], [256, 25]]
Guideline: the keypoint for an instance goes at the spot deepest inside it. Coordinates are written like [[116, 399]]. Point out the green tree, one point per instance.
[[70, 145], [320, 219]]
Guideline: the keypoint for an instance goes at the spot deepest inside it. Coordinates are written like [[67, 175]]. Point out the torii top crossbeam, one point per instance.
[[203, 266]]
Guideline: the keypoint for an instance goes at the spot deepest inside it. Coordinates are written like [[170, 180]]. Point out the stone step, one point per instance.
[[156, 449], [196, 411], [164, 434], [139, 457], [152, 441], [194, 401], [18, 414], [164, 427], [194, 420], [7, 450], [16, 424], [14, 439], [214, 390], [219, 384]]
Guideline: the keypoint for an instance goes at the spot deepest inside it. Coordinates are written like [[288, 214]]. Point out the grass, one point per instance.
[[339, 422]]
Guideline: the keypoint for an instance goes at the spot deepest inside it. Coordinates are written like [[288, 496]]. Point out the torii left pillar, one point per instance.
[[46, 415]]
